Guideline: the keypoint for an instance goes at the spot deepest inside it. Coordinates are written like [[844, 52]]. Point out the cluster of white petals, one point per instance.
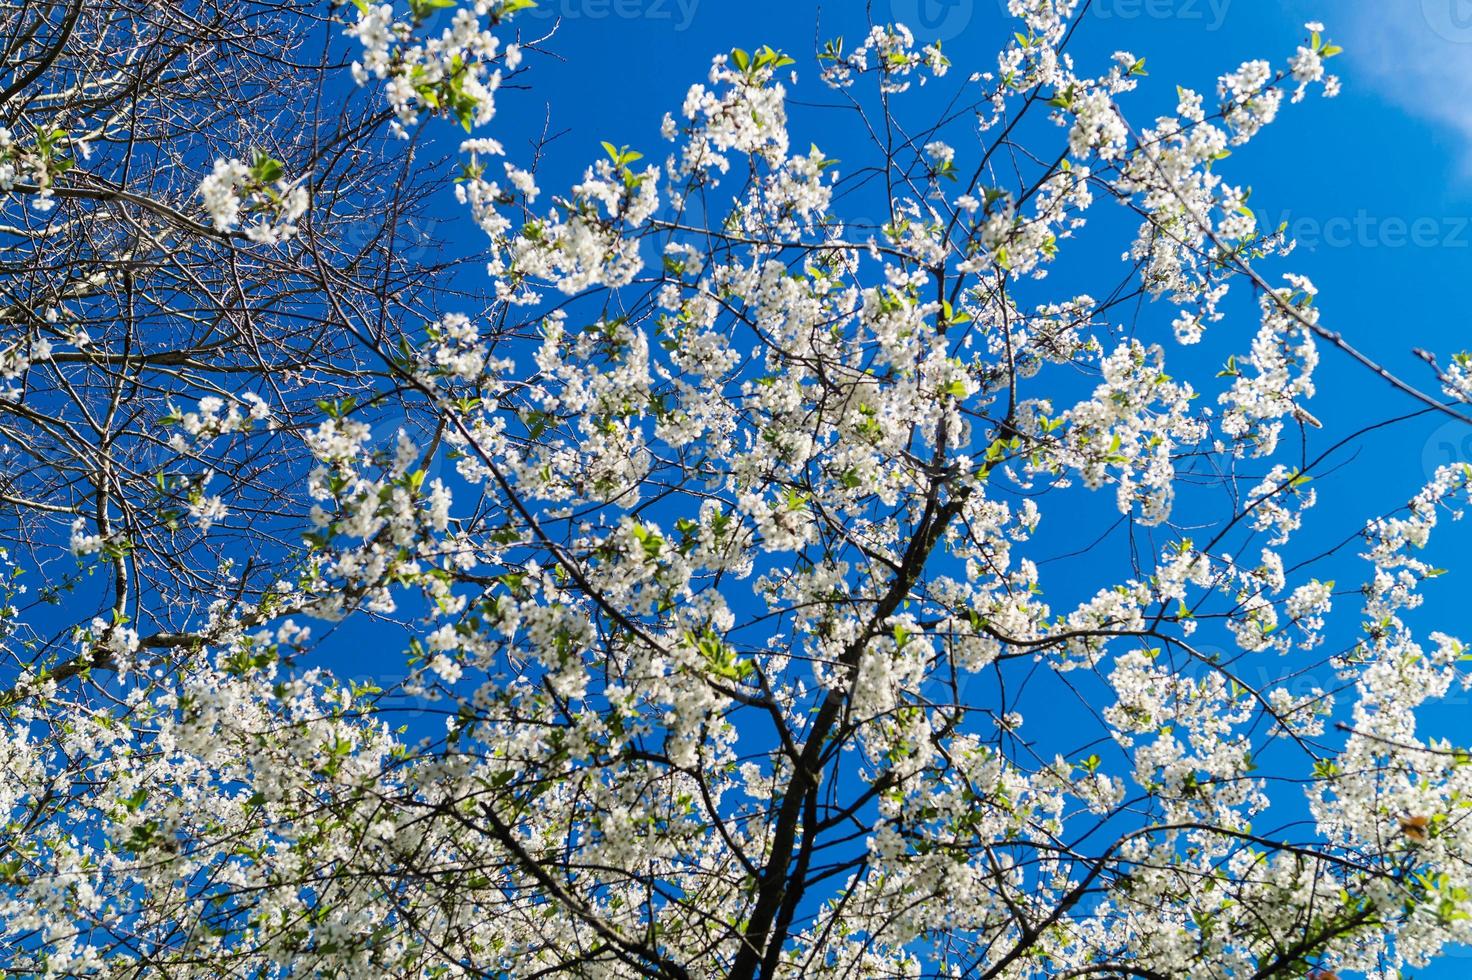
[[233, 192]]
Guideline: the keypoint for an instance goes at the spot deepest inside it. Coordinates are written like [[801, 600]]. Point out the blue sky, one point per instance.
[[1376, 184]]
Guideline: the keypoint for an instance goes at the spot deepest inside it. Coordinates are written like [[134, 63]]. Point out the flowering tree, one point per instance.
[[713, 522]]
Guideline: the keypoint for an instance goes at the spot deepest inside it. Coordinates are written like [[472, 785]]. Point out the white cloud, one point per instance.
[[1418, 53]]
